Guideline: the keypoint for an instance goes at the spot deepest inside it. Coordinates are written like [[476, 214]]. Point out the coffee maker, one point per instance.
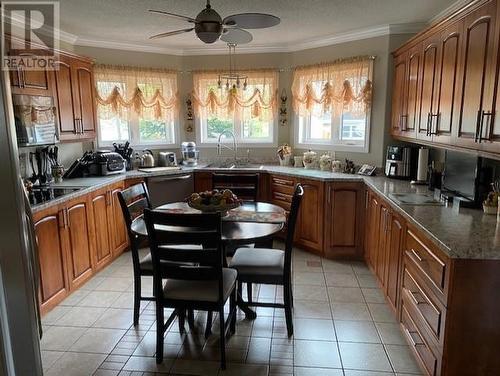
[[400, 162]]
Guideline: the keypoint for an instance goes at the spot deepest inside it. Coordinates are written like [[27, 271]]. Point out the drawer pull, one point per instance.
[[415, 253], [413, 296], [283, 182], [412, 340]]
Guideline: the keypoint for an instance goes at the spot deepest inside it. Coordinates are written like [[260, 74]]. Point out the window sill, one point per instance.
[[332, 147], [240, 145]]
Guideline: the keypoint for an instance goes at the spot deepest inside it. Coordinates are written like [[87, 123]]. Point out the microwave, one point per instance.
[[35, 119]]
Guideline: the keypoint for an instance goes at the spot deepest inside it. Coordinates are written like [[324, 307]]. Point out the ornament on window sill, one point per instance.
[[283, 111], [189, 115]]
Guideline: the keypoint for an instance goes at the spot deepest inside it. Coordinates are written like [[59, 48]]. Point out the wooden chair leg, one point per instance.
[[232, 310], [181, 316], [190, 318], [137, 299], [288, 310], [249, 292], [222, 339], [160, 325], [208, 328]]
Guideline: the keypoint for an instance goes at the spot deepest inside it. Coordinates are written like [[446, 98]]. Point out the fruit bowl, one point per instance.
[[214, 201]]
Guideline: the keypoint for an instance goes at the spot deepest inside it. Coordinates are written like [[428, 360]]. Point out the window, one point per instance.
[[249, 113], [332, 103], [139, 106]]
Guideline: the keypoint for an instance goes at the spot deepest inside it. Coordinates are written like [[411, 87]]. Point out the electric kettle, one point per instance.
[[147, 158]]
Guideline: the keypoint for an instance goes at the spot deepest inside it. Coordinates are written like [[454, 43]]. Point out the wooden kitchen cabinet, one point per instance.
[[75, 97], [102, 228], [309, 227], [412, 91], [49, 228], [372, 213], [344, 220], [398, 118], [79, 240], [429, 76], [118, 228], [477, 74], [30, 82], [394, 249]]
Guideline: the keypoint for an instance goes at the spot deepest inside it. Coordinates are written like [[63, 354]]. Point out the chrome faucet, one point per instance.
[[220, 144]]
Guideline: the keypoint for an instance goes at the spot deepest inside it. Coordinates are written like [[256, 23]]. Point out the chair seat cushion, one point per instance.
[[258, 262], [203, 291]]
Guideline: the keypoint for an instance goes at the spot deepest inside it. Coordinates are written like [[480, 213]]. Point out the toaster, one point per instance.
[[167, 159]]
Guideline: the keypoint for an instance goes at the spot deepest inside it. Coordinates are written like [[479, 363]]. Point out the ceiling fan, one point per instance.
[[209, 25]]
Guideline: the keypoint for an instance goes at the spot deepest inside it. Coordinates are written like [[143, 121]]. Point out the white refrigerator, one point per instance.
[[20, 327]]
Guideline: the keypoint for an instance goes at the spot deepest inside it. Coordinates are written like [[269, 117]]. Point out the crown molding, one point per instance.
[[350, 36], [449, 11], [63, 35]]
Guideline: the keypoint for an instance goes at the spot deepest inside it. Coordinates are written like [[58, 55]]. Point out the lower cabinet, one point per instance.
[[309, 228], [49, 228], [77, 238], [343, 220]]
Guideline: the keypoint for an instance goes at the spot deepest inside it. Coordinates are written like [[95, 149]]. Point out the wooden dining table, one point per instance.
[[251, 222]]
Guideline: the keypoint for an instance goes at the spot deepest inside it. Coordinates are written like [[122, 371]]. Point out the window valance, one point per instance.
[[333, 87], [151, 93], [259, 98]]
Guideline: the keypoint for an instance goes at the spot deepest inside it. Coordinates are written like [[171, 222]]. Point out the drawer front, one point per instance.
[[417, 343], [430, 308], [434, 268], [281, 199], [284, 186]]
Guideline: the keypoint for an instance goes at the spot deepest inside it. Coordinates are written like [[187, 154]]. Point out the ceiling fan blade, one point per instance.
[[179, 16], [170, 33], [236, 36], [251, 20]]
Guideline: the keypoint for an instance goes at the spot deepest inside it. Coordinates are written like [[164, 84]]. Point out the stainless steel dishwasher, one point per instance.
[[167, 189]]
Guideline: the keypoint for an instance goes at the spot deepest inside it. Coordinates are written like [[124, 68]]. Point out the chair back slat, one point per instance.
[[133, 201], [244, 186], [168, 231]]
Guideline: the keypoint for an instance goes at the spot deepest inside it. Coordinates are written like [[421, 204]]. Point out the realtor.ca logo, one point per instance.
[[30, 35]]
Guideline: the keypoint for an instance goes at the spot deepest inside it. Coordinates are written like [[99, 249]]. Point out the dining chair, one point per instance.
[[270, 266], [200, 282], [245, 186], [133, 201]]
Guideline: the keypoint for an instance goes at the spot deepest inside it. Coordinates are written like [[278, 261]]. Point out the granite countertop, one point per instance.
[[464, 234]]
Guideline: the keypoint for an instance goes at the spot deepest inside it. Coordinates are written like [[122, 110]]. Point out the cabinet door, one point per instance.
[[309, 228], [382, 244], [202, 181], [478, 70], [395, 239], [428, 92], [31, 82], [442, 125], [101, 230], [371, 243], [83, 91], [398, 96], [118, 228], [54, 284], [343, 220], [79, 241], [64, 93], [410, 120]]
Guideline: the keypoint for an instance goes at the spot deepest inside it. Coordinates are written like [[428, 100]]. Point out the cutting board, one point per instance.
[[159, 169]]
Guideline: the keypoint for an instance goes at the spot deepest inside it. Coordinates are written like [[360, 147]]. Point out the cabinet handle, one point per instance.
[[414, 298], [68, 223], [366, 200], [481, 123], [329, 193], [428, 130], [410, 335], [416, 255], [19, 78], [404, 121]]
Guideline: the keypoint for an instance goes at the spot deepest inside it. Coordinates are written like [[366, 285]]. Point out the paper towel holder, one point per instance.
[[422, 167]]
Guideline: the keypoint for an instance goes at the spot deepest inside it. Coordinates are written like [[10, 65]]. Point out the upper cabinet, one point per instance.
[[72, 86], [450, 83]]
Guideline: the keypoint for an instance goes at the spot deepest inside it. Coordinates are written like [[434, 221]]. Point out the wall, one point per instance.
[[379, 46]]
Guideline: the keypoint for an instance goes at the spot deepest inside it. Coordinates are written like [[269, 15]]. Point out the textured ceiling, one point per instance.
[[127, 21]]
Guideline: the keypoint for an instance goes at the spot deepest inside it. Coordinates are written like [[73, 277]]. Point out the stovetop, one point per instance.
[[39, 195]]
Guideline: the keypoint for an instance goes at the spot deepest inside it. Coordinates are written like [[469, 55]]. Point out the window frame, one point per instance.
[[134, 132], [332, 143], [204, 142]]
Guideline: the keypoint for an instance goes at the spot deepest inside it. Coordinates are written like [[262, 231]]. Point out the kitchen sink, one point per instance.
[[229, 165], [418, 199]]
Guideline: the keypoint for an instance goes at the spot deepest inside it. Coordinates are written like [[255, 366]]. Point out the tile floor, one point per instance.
[[342, 327]]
